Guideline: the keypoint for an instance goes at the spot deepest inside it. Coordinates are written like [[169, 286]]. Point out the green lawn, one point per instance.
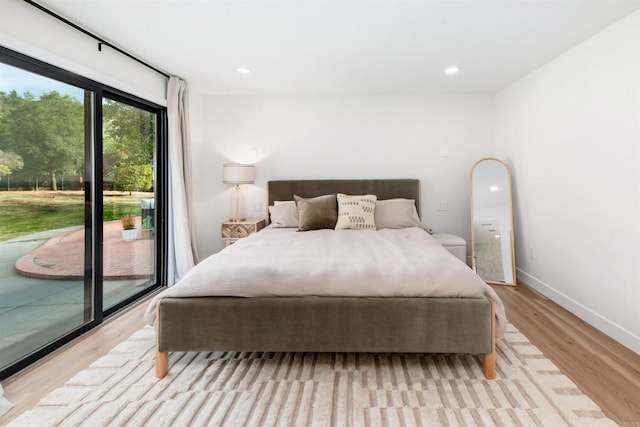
[[26, 212]]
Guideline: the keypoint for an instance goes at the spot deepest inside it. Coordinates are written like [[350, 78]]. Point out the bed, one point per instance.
[[319, 322]]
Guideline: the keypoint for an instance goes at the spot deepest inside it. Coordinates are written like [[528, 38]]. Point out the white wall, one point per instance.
[[571, 132], [27, 30], [342, 137]]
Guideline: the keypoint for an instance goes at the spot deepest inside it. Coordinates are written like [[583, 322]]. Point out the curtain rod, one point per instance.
[[100, 40]]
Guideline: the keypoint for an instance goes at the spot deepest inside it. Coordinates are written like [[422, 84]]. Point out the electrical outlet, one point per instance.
[[532, 252], [256, 206], [443, 205]]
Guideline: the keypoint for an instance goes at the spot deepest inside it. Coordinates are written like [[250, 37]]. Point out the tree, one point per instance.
[[129, 177], [9, 162], [47, 132], [128, 144]]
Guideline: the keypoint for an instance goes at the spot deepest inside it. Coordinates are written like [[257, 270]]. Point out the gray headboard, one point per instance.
[[383, 188]]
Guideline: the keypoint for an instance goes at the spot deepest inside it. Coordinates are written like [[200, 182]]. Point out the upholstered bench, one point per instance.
[[454, 244]]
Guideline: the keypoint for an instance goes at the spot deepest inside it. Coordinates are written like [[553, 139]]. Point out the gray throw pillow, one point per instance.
[[317, 213]]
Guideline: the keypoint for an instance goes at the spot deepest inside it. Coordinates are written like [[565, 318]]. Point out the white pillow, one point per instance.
[[284, 214], [356, 212], [397, 213]]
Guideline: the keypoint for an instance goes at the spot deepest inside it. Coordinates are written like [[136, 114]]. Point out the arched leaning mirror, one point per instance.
[[492, 249]]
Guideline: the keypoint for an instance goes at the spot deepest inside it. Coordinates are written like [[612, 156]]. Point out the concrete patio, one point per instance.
[[36, 310]]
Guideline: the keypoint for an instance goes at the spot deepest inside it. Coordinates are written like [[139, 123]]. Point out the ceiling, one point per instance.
[[345, 47]]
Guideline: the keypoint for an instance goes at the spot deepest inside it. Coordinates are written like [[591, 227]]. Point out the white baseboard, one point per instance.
[[618, 333]]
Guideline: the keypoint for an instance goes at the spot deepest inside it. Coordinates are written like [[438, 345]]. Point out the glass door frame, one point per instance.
[[160, 190], [93, 206]]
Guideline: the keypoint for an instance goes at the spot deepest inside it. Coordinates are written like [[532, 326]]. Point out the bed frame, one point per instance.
[[328, 324]]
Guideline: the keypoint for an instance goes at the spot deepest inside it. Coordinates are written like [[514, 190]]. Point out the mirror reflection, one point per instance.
[[492, 222]]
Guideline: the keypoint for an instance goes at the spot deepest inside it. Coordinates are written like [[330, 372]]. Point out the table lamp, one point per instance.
[[236, 174]]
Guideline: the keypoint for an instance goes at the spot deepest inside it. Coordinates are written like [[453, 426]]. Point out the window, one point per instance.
[[64, 140]]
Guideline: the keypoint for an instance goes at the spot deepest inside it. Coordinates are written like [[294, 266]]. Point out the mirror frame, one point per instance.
[[511, 233]]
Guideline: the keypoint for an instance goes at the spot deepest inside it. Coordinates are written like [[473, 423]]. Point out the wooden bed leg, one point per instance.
[[489, 359], [489, 366], [162, 357], [162, 364]]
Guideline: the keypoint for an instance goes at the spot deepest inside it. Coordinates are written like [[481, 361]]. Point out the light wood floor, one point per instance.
[[602, 368], [27, 388], [605, 370]]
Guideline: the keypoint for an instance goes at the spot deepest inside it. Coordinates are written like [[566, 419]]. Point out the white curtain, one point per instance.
[[182, 253]]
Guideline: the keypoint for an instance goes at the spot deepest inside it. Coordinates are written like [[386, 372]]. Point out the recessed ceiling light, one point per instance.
[[451, 70], [243, 70], [494, 188]]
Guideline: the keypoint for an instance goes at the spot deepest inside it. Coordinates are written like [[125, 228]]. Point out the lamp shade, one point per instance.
[[235, 173]]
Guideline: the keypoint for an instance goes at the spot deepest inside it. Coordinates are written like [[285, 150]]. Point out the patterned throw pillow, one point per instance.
[[356, 212]]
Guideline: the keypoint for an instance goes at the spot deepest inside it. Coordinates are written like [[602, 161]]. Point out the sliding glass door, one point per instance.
[[80, 164], [128, 194], [45, 137]]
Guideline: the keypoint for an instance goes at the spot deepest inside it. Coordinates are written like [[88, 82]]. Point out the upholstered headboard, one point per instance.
[[383, 188]]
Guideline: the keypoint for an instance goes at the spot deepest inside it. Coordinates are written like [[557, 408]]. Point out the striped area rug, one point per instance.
[[318, 389]]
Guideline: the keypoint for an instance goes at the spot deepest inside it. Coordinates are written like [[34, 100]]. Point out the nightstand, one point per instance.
[[232, 231]]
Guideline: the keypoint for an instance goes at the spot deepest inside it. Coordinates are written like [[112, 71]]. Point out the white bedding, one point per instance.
[[407, 262]]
